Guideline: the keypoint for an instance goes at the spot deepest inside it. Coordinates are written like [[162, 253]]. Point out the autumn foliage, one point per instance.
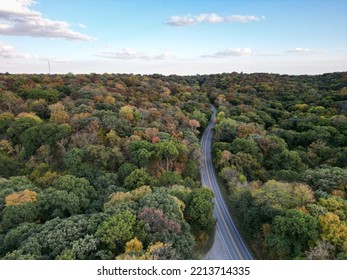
[[20, 197], [105, 166]]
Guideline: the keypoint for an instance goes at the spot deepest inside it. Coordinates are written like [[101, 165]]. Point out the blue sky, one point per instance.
[[173, 37]]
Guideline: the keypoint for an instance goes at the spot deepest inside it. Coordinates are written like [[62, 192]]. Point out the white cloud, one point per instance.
[[210, 18], [248, 52], [58, 60], [8, 52], [180, 21], [107, 46], [299, 50], [82, 25], [18, 19], [128, 54], [231, 52], [243, 19]]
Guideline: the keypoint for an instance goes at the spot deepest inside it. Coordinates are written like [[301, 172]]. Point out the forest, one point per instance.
[[281, 150], [107, 166]]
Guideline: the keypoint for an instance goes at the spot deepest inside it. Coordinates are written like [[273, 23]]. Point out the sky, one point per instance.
[[173, 36]]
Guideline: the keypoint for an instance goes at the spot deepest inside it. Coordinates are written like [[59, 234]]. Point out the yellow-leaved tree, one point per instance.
[[20, 197]]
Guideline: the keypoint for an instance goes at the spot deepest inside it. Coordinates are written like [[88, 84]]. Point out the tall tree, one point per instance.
[[290, 233], [117, 229]]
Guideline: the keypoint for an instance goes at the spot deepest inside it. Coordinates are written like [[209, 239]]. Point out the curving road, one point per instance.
[[228, 243]]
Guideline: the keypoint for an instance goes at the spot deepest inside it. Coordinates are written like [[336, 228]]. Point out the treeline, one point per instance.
[[280, 147], [102, 167]]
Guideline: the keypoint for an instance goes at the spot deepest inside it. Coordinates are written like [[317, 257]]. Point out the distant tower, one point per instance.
[[49, 67]]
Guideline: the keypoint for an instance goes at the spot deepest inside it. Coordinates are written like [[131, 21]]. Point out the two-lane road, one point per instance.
[[228, 243]]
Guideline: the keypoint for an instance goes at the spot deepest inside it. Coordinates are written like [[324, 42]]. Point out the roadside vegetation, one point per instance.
[[280, 148]]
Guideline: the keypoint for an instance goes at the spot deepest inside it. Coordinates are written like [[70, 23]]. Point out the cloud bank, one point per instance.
[[17, 19], [235, 52], [210, 18], [8, 52], [128, 54], [299, 50], [230, 52]]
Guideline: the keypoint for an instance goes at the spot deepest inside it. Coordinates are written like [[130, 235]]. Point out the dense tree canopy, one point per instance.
[[107, 166], [280, 148], [95, 158]]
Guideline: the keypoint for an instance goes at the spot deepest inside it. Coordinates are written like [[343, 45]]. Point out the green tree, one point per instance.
[[169, 178], [248, 165], [19, 126], [124, 171], [226, 130], [246, 145], [40, 108], [170, 151], [13, 215], [141, 153], [43, 134], [111, 121], [6, 119], [281, 195], [85, 248], [117, 229], [50, 95], [161, 199], [67, 196], [201, 117], [78, 186], [326, 179], [15, 236], [53, 237], [9, 166], [199, 210], [58, 203], [138, 178], [101, 156], [251, 214], [290, 234]]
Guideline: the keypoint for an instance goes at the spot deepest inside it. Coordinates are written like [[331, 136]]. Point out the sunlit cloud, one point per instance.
[[18, 19], [82, 25], [299, 50], [8, 52], [210, 18], [58, 60], [129, 54], [235, 52], [230, 52]]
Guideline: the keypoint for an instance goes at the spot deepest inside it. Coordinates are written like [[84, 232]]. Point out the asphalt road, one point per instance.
[[228, 243]]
